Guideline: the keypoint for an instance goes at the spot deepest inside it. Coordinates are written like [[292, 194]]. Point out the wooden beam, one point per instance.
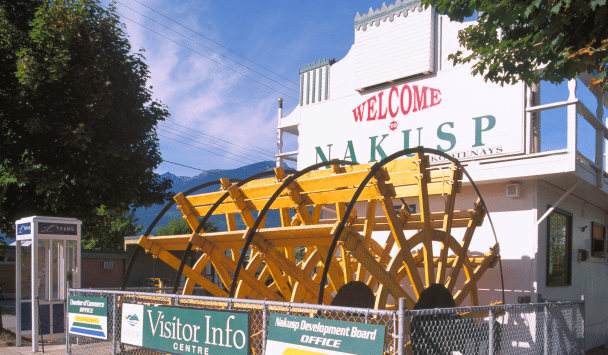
[[397, 232], [334, 274], [425, 216], [368, 228], [345, 264], [244, 209], [174, 262], [447, 228], [198, 268], [188, 212], [274, 256], [355, 243], [217, 255], [479, 271], [466, 241]]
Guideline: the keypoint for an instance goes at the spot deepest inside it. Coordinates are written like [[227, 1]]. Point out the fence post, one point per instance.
[[583, 323], [67, 321], [401, 328], [114, 323], [546, 331], [264, 327], [491, 332]]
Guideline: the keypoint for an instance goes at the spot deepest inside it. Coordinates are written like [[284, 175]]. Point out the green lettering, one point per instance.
[[377, 148], [478, 129], [406, 139], [321, 155], [350, 150], [446, 137]]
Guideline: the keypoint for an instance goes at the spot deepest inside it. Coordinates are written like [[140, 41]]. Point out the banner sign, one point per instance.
[[291, 335], [182, 330], [452, 112], [88, 316], [57, 228]]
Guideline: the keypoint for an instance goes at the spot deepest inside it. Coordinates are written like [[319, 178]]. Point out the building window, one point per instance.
[[598, 240], [559, 248]]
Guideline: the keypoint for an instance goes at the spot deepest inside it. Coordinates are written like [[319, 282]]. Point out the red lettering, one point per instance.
[[371, 109], [417, 100], [420, 99], [381, 115], [358, 112], [435, 97], [390, 107], [409, 105]]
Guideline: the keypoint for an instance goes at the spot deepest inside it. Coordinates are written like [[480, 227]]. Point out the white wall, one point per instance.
[[589, 278]]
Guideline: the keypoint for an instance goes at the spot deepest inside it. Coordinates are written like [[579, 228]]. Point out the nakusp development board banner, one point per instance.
[[291, 335], [182, 330], [88, 316]]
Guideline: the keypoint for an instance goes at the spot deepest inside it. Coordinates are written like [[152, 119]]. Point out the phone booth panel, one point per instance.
[[49, 263]]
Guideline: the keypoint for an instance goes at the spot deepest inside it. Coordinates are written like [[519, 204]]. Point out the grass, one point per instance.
[[7, 311]]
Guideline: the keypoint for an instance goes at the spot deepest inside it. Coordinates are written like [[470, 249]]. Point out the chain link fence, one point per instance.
[[544, 328]]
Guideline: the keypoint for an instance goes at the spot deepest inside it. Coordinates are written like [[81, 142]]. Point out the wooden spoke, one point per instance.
[[447, 227]]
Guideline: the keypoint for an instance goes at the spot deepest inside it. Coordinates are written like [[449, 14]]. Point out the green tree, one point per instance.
[[77, 117], [178, 225], [109, 229], [515, 38]]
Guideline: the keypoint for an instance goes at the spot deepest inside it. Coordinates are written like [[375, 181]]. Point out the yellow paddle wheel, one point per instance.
[[380, 243]]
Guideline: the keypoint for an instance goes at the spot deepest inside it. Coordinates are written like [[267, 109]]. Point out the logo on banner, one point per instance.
[[24, 229], [132, 330], [132, 320], [57, 228], [89, 326]]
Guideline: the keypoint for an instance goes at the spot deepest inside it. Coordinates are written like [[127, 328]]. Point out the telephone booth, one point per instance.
[[48, 262]]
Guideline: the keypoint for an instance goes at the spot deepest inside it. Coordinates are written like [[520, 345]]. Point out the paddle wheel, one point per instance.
[[355, 213]]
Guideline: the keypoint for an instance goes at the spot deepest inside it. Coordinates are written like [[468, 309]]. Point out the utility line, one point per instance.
[[215, 61], [235, 154], [202, 45], [210, 40], [262, 150], [206, 171], [205, 150], [242, 150]]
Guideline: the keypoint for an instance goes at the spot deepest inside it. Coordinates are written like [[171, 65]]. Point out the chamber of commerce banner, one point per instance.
[[88, 316], [181, 330], [291, 335]]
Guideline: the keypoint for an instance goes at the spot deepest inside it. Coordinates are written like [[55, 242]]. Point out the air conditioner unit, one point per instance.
[[107, 264], [514, 190]]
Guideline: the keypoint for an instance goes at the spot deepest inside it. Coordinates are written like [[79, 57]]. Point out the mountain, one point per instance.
[[145, 216]]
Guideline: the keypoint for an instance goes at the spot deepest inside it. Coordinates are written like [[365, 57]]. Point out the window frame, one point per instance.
[[569, 236], [597, 254]]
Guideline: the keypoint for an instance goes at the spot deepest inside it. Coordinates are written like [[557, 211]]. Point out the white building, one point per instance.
[[395, 89]]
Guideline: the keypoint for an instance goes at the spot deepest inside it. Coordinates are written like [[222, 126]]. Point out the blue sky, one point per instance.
[[194, 50], [221, 66]]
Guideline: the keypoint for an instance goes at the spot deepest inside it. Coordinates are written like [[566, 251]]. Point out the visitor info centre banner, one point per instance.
[[181, 330], [291, 335]]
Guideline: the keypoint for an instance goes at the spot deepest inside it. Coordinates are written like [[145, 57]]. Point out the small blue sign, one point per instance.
[[57, 228], [24, 229]]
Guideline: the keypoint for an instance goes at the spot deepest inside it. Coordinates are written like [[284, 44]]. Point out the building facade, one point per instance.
[[537, 154]]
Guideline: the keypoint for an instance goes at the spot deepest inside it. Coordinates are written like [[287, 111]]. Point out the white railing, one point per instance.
[[575, 108]]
